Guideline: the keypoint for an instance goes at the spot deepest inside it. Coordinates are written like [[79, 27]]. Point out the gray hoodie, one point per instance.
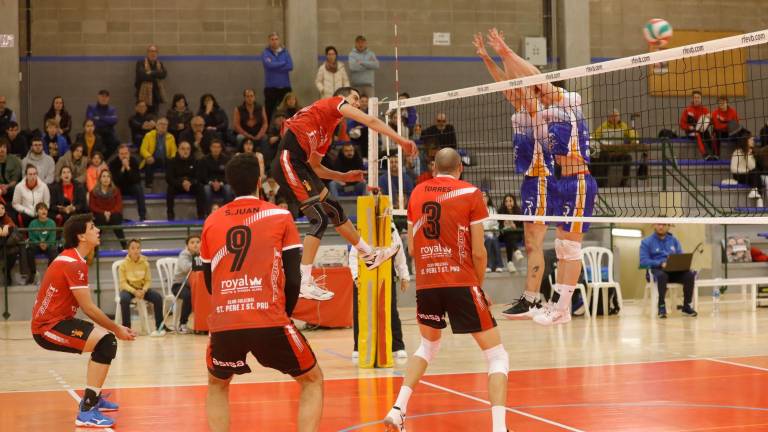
[[46, 167], [362, 67]]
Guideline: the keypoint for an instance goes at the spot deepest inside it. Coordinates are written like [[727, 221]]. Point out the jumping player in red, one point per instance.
[[298, 169], [54, 327], [445, 236], [251, 252]]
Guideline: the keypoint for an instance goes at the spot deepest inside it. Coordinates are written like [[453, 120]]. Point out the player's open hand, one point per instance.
[[124, 333], [496, 40], [353, 176], [409, 147], [479, 45]]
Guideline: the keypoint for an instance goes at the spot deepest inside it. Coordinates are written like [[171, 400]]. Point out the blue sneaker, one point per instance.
[[663, 311], [93, 418], [105, 405]]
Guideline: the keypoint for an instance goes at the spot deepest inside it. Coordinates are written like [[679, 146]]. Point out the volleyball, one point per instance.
[[657, 31]]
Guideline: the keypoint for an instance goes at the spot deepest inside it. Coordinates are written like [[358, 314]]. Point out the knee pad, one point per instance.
[[105, 350], [318, 220], [428, 349], [497, 360], [334, 211], [568, 250]]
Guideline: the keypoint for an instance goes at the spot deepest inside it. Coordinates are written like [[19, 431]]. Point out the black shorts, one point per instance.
[[281, 348], [66, 336], [292, 171], [467, 309]]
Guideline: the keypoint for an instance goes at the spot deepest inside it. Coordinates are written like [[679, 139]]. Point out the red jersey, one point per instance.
[[314, 125], [720, 118], [244, 241], [440, 211], [55, 301]]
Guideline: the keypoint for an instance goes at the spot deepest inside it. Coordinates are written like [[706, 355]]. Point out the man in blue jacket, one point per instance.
[[104, 118], [654, 251], [277, 63]]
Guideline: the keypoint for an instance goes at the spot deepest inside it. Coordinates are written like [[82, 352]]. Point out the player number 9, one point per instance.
[[238, 242]]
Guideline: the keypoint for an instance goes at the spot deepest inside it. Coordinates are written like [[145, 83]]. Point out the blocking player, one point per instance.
[[445, 233], [251, 252], [298, 169], [63, 290]]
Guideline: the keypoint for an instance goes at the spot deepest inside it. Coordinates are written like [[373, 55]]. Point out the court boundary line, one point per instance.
[[732, 363], [68, 388]]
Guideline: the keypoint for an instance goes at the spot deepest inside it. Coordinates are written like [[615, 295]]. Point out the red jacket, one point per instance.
[[720, 119], [696, 112], [99, 204]]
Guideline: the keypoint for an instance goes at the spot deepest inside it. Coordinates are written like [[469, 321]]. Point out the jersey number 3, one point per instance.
[[238, 243], [431, 211]]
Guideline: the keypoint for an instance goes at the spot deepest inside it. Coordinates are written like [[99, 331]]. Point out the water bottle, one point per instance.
[[715, 300]]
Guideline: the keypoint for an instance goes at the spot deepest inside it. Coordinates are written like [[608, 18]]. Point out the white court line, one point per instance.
[[512, 410], [736, 364], [69, 390]]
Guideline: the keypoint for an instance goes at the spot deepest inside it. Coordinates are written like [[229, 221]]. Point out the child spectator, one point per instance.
[[42, 239], [135, 280], [183, 267]]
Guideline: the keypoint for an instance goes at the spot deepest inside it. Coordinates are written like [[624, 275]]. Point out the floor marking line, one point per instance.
[[744, 365]]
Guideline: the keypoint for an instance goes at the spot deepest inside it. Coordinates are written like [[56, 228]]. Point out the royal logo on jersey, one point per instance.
[[240, 285], [237, 364], [435, 251]]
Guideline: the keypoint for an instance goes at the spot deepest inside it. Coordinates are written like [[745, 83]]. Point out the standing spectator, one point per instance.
[[95, 166], [348, 160], [141, 123], [277, 64], [212, 175], [104, 118], [610, 148], [441, 134], [182, 177], [46, 167], [179, 115], [52, 137], [60, 117], [68, 197], [106, 203], [91, 141], [127, 177], [6, 116], [289, 105], [135, 279], [10, 172], [428, 174], [331, 74], [150, 75], [157, 147], [199, 137], [183, 266], [362, 67], [250, 120], [511, 231], [76, 161], [17, 141], [393, 171], [215, 118], [725, 120], [42, 239], [491, 230], [28, 194], [744, 166], [689, 119]]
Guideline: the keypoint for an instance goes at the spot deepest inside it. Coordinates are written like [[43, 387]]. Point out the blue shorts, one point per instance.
[[576, 195], [539, 196]]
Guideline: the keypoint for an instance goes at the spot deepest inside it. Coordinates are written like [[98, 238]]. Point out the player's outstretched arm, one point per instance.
[[479, 255], [515, 65], [83, 297], [498, 74], [409, 147], [322, 171]]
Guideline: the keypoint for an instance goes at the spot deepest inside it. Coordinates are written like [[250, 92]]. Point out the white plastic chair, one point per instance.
[[592, 260], [652, 293], [166, 268], [553, 278], [141, 305]]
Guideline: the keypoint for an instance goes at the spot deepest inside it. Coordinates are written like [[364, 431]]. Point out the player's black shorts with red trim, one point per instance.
[[66, 336], [467, 308], [292, 171], [282, 348]]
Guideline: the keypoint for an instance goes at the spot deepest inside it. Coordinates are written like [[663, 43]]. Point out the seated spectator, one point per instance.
[[611, 146], [250, 120], [141, 123], [104, 118], [358, 132], [384, 182], [654, 251], [428, 174], [10, 244], [17, 141], [76, 161], [182, 177], [442, 133], [95, 166], [42, 239], [68, 197], [331, 74], [52, 137], [511, 231], [135, 280], [28, 194], [764, 135], [289, 105], [725, 120], [492, 245], [53, 152], [157, 148], [211, 175], [689, 119], [248, 147], [10, 172], [179, 115], [744, 166], [6, 116], [91, 141], [270, 190], [61, 118], [127, 177], [348, 160], [273, 139], [106, 204], [46, 167], [199, 137], [183, 267], [215, 118]]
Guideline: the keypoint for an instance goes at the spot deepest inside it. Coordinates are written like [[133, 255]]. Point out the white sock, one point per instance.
[[566, 293], [306, 272], [403, 397], [499, 415], [531, 296], [363, 247]]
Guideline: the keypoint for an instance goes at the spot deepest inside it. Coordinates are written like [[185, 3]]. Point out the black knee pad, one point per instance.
[[105, 350], [334, 211], [318, 220]]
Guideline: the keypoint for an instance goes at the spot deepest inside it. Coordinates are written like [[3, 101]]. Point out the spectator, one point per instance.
[[60, 117], [764, 136], [10, 239], [199, 137], [215, 118], [10, 172], [127, 177], [511, 231], [52, 137], [441, 134], [348, 160], [744, 166], [28, 194], [46, 167], [106, 203], [393, 171], [42, 239], [409, 116], [358, 132], [6, 116], [53, 151], [429, 174], [157, 148], [95, 166], [492, 245], [141, 123], [248, 147], [689, 122], [135, 281], [273, 138], [68, 197], [76, 161], [182, 177], [179, 115], [90, 140], [183, 267], [654, 251], [289, 105], [277, 64], [610, 148], [150, 75], [725, 120], [250, 120], [362, 67], [331, 74], [17, 142], [104, 118], [212, 176], [271, 190]]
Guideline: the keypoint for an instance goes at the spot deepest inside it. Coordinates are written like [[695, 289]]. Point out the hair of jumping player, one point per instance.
[[73, 227], [345, 91], [243, 174]]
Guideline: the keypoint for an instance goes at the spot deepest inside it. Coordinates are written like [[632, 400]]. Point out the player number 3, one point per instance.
[[431, 210]]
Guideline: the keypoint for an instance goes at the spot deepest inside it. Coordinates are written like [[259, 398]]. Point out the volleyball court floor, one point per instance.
[[609, 374]]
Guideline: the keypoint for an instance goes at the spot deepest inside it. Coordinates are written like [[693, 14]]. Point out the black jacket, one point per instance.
[[212, 169], [58, 198], [203, 146], [125, 179], [98, 146], [179, 169]]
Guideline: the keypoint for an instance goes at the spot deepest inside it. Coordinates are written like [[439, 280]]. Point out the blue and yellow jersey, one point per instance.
[[531, 158]]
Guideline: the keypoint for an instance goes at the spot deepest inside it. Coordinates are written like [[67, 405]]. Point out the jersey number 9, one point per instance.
[[238, 242]]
